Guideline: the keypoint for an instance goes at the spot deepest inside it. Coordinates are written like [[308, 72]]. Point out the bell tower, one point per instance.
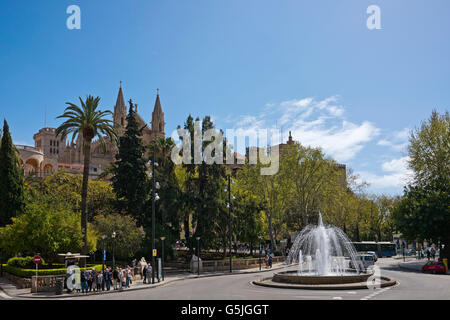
[[158, 123], [120, 112]]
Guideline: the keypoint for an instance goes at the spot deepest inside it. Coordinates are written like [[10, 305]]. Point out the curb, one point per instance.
[[63, 296]]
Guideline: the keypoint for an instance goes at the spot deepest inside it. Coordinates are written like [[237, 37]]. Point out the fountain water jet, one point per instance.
[[325, 248]]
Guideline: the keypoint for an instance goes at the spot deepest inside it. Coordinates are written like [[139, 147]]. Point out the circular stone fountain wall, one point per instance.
[[293, 277]]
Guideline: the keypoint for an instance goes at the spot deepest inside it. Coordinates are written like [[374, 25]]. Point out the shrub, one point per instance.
[[22, 262], [28, 273]]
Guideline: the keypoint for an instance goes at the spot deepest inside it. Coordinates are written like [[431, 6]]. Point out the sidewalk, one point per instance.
[[12, 291]]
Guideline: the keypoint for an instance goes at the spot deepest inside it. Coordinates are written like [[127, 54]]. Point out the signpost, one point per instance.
[[37, 260], [154, 252]]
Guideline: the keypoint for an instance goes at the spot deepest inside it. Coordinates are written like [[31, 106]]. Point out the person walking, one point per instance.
[[149, 270], [107, 277], [144, 274], [127, 273], [100, 281], [134, 267], [428, 254], [270, 261], [84, 281], [90, 279], [115, 278]]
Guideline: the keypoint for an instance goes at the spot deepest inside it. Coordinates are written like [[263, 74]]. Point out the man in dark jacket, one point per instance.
[[144, 274], [107, 279]]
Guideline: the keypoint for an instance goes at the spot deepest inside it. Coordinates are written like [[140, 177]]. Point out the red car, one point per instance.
[[434, 267]]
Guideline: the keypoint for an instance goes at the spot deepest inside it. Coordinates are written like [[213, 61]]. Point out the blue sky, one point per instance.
[[312, 67]]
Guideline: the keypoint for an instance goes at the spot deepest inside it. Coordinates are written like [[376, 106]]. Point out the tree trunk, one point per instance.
[[84, 192]]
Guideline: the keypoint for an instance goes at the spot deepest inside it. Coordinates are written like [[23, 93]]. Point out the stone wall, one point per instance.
[[45, 283]]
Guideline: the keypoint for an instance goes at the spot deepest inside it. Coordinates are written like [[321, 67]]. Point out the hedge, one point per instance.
[[28, 273], [22, 262]]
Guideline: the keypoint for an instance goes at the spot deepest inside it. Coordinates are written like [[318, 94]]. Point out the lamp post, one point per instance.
[[198, 256], [113, 236], [103, 253], [259, 254], [229, 220], [162, 261], [155, 198]]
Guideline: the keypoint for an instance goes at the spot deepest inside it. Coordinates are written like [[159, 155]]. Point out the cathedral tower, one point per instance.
[[158, 123], [120, 112]]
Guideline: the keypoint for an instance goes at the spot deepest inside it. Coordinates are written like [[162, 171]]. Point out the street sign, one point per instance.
[[104, 255], [37, 259], [154, 252]]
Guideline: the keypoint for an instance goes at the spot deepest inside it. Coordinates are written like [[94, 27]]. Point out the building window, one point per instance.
[[51, 142], [121, 121]]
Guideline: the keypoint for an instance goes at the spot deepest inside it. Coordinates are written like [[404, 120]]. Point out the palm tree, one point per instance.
[[87, 123]]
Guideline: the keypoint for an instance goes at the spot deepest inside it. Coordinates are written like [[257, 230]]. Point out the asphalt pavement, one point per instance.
[[412, 285]]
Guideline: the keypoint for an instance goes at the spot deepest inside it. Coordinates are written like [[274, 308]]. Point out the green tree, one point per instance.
[[47, 229], [66, 188], [270, 192], [12, 199], [169, 206], [128, 235], [424, 213], [203, 185], [424, 210], [429, 151], [248, 225], [86, 122], [130, 179]]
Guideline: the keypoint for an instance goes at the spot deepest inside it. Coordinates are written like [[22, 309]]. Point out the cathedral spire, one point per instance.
[[120, 109], [120, 102], [158, 116]]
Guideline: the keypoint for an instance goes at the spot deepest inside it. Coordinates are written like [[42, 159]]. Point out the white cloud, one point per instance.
[[313, 123], [396, 174], [397, 141]]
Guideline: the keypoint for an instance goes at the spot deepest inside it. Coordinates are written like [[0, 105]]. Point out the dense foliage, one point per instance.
[[130, 180], [12, 199], [424, 210]]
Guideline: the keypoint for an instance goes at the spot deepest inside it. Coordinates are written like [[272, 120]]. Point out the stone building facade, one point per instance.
[[51, 153]]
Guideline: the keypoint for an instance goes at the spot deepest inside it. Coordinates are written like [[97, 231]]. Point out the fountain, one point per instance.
[[327, 250], [323, 253]]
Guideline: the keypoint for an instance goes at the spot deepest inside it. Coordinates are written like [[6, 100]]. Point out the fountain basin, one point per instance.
[[293, 277]]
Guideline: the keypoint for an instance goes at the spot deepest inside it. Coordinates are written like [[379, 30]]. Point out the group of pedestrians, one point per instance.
[[96, 281]]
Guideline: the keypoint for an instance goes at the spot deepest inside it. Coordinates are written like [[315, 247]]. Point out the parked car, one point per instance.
[[375, 257], [364, 261], [434, 267]]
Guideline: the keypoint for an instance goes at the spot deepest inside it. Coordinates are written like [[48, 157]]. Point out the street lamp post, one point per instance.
[[162, 261], [113, 236], [259, 254], [198, 256], [229, 221], [103, 253], [155, 197]]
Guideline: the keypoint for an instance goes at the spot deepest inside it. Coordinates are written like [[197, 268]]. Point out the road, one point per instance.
[[412, 285]]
